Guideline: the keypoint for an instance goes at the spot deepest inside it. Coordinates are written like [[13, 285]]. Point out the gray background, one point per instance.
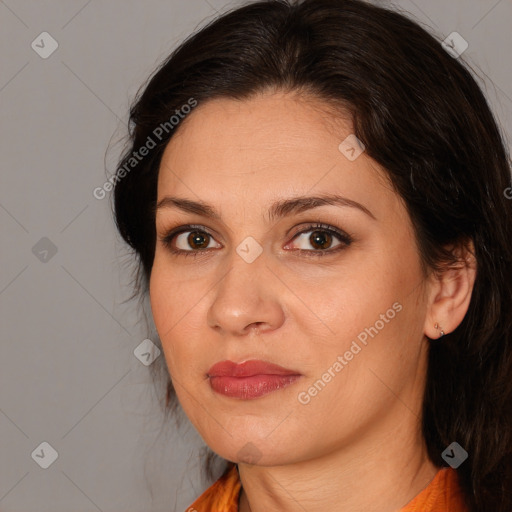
[[68, 374]]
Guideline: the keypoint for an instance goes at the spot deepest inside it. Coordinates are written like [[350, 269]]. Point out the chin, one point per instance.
[[253, 452]]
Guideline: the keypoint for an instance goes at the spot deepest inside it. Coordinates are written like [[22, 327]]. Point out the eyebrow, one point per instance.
[[279, 209]]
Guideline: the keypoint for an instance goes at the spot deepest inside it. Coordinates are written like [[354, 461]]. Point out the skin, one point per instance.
[[357, 445]]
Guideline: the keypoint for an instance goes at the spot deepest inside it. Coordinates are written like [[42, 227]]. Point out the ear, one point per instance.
[[450, 292]]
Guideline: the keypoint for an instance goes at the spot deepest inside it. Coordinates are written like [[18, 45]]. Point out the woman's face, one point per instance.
[[344, 313]]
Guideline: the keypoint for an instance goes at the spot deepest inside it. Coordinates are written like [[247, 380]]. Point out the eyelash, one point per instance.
[[343, 237]]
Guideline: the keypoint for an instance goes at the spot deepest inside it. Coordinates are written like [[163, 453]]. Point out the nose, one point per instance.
[[247, 299]]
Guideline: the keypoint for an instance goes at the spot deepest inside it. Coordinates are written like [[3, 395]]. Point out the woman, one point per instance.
[[319, 206]]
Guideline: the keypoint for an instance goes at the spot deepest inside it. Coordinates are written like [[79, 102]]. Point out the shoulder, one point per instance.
[[442, 494], [222, 495]]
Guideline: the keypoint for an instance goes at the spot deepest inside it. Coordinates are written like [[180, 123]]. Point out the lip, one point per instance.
[[249, 380], [248, 369]]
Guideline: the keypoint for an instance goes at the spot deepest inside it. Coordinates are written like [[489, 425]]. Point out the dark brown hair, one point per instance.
[[423, 117]]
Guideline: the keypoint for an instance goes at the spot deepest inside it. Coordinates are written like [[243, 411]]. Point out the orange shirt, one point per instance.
[[441, 495]]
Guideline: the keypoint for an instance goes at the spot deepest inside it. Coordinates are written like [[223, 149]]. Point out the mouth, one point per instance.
[[249, 380]]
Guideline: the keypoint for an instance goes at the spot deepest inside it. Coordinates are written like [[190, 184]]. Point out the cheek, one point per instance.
[[178, 313], [339, 304], [159, 299], [165, 308], [373, 313], [170, 295]]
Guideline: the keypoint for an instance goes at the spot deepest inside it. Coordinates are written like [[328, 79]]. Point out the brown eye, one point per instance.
[[198, 240], [188, 240], [321, 239]]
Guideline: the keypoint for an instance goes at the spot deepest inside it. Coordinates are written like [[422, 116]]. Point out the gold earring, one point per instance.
[[442, 332]]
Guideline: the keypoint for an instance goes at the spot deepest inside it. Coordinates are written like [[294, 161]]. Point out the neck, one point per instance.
[[381, 473]]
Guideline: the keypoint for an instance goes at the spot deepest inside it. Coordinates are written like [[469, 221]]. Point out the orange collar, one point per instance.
[[443, 493]]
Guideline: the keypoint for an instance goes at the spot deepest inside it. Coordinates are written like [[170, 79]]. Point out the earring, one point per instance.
[[442, 332]]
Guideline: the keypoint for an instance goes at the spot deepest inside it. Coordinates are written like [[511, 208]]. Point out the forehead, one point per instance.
[[262, 148]]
